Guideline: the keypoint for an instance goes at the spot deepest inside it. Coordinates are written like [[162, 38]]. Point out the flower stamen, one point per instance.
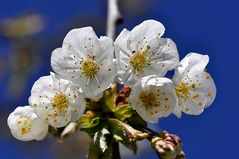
[[139, 60], [26, 123], [90, 68], [60, 102], [182, 90], [147, 99]]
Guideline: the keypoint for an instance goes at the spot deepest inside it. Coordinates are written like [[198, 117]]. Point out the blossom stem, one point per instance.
[[115, 152], [113, 18], [151, 131]]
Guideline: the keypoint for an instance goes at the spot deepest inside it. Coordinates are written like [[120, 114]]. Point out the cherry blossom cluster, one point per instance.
[[85, 66]]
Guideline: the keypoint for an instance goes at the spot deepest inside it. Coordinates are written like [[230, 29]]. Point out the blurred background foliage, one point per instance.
[[31, 30]]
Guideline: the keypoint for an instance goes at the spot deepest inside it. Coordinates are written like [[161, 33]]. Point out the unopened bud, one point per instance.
[[168, 146]]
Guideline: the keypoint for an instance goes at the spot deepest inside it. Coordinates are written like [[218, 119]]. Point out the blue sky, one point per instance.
[[207, 27]]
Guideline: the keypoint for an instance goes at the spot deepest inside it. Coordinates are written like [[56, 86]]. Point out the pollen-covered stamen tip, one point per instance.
[[139, 60], [89, 68], [25, 123], [60, 102], [147, 99], [183, 89]]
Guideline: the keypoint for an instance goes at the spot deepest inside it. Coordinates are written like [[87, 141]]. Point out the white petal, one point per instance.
[[161, 53], [107, 73], [52, 117], [66, 63], [43, 87], [201, 95], [205, 85], [81, 45], [164, 51], [178, 110], [77, 103], [122, 41], [15, 129], [163, 56], [144, 32], [192, 106], [59, 83], [43, 104], [21, 123], [107, 46], [164, 95], [39, 129], [83, 41], [190, 63], [124, 69]]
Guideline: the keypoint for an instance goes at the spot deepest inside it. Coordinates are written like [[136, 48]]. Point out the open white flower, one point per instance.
[[56, 101], [195, 88], [143, 52], [25, 125], [86, 61], [153, 97]]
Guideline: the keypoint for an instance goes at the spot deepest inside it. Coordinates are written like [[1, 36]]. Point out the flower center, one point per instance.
[[183, 90], [25, 124], [90, 68], [139, 61], [60, 102], [147, 99]]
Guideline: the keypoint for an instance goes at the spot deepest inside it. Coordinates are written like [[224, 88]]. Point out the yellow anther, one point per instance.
[[147, 99], [183, 90], [60, 102], [139, 60], [90, 68], [26, 126]]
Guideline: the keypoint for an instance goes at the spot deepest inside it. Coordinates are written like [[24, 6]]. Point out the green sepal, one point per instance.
[[93, 153], [89, 125], [136, 121], [100, 139], [124, 133], [108, 100], [123, 112], [100, 146]]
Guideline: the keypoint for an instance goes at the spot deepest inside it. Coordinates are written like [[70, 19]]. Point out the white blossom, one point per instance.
[[56, 101], [153, 97], [25, 125], [143, 52], [195, 88], [86, 61]]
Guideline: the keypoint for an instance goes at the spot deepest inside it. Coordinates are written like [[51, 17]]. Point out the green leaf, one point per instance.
[[123, 112], [109, 98], [93, 152], [100, 144], [94, 122], [100, 139], [88, 122], [136, 121], [84, 120], [113, 151], [124, 133], [90, 126]]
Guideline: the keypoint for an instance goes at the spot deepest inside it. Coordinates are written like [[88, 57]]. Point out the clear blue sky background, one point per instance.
[[204, 26]]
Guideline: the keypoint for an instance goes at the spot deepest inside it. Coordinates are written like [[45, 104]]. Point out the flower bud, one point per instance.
[[168, 146]]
